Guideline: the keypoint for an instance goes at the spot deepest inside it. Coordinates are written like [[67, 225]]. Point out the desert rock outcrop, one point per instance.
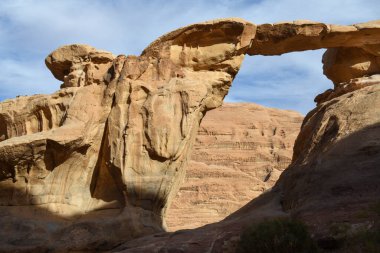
[[118, 144], [301, 35], [79, 65], [240, 151], [343, 64], [333, 179], [98, 162], [336, 161]]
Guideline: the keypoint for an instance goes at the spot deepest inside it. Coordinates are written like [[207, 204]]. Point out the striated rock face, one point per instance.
[[334, 174], [29, 115], [98, 162], [240, 151], [107, 152]]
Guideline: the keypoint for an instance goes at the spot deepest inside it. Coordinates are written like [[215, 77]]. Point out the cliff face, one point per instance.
[[239, 152], [98, 162], [334, 174], [105, 155]]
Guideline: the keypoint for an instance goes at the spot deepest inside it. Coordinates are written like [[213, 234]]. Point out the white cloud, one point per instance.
[[29, 30]]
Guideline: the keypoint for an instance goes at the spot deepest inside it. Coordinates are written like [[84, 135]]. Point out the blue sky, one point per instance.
[[31, 29]]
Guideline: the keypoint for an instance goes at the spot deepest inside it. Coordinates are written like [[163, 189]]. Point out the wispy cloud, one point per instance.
[[289, 81], [30, 30]]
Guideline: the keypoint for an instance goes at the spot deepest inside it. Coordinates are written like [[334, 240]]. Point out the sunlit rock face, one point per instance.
[[110, 148], [98, 162], [334, 174], [240, 151]]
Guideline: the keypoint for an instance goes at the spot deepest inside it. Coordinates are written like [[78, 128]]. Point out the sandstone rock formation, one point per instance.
[[336, 161], [79, 65], [116, 145], [343, 64], [98, 162], [240, 151], [301, 35], [334, 175]]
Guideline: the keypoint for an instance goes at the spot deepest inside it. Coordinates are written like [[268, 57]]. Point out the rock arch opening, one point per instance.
[[289, 81], [235, 161], [147, 109], [200, 202]]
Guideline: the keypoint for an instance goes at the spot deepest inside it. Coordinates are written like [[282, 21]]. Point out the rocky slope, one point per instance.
[[333, 182], [98, 162], [240, 151], [336, 161]]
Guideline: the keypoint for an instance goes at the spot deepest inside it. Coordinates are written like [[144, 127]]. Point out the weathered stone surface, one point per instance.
[[332, 181], [300, 35], [28, 115], [78, 65], [119, 143], [354, 51], [105, 168], [334, 175], [240, 151], [336, 162], [346, 87], [343, 64]]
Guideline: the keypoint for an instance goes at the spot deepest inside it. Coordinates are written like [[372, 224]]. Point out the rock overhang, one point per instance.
[[212, 42], [131, 121]]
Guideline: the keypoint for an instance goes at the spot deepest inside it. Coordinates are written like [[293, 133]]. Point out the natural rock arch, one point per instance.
[[124, 126]]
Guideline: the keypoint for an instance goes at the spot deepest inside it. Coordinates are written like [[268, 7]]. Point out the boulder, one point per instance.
[[343, 64], [79, 64]]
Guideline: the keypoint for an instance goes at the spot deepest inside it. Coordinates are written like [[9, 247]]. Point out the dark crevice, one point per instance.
[[106, 182]]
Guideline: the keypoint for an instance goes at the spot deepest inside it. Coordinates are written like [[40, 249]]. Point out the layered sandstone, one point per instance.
[[240, 151], [332, 180], [114, 141], [99, 161], [334, 175]]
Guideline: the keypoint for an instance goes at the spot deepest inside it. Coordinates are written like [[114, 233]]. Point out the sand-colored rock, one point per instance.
[[336, 161], [119, 143], [240, 151], [334, 175], [343, 64], [301, 35], [354, 51], [332, 181], [28, 115], [105, 168], [78, 65], [346, 87]]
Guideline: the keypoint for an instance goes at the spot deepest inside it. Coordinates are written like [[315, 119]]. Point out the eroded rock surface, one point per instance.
[[240, 151], [301, 35], [343, 64], [336, 161], [79, 65], [98, 162], [333, 178], [118, 144]]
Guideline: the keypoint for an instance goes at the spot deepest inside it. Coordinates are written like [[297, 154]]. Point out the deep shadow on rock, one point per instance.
[[323, 203], [105, 155]]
